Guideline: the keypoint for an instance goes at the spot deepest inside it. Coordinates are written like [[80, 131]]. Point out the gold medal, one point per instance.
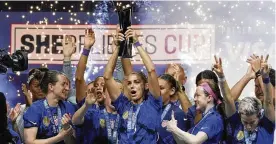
[[240, 135], [46, 121], [102, 123], [125, 115]]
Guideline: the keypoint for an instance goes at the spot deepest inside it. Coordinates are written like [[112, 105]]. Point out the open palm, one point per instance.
[[69, 46], [89, 38], [26, 92], [91, 98]]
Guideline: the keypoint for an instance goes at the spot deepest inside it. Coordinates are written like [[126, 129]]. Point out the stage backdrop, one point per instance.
[[188, 33]]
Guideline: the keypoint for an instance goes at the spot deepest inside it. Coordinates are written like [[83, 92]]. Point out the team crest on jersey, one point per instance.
[[125, 115], [240, 135], [46, 121], [102, 123]]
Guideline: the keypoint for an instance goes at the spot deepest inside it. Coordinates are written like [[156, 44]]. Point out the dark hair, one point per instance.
[[142, 76], [46, 78], [171, 80], [219, 107], [272, 77], [215, 88], [206, 74], [5, 135], [33, 74], [32, 71]]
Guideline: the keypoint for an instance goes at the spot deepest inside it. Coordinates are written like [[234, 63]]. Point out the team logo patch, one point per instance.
[[125, 115], [164, 123], [102, 123], [240, 135], [46, 121]]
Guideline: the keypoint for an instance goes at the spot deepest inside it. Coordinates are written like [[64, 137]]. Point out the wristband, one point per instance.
[[266, 80], [85, 52], [258, 73], [137, 44]]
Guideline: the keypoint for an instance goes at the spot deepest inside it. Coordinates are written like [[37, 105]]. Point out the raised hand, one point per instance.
[[91, 97], [26, 92], [172, 124], [89, 38], [66, 121], [255, 62], [217, 67], [264, 67], [118, 36], [176, 73], [14, 113], [250, 72], [69, 46], [131, 33]]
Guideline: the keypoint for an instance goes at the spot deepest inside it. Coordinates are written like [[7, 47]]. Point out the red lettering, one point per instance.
[[166, 44]]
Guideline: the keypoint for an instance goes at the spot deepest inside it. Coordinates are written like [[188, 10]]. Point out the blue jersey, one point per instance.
[[191, 116], [15, 137], [44, 119], [147, 122], [211, 124], [235, 130], [166, 137], [94, 128], [80, 134]]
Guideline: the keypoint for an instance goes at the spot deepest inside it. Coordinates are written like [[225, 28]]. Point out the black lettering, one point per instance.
[[56, 44], [40, 43], [26, 41]]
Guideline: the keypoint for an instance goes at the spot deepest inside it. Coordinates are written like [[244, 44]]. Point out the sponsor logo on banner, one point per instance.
[[164, 43]]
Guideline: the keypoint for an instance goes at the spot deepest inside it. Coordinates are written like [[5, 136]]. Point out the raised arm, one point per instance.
[[111, 84], [184, 100], [267, 88], [28, 95], [89, 41], [230, 108], [127, 67], [237, 89], [78, 117], [69, 47], [152, 76], [182, 96]]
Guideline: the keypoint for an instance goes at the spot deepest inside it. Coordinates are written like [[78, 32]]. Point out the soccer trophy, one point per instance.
[[124, 13]]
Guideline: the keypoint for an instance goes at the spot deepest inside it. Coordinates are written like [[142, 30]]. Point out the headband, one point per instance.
[[30, 78], [208, 89]]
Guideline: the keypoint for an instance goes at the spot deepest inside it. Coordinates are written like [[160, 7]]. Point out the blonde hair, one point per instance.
[[250, 106]]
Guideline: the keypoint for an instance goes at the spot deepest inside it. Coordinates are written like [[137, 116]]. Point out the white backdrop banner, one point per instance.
[[164, 43]]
